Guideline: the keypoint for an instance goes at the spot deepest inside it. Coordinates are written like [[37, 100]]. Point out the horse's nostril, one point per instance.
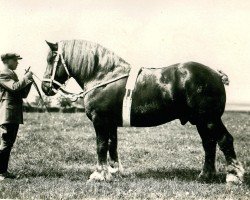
[[45, 88]]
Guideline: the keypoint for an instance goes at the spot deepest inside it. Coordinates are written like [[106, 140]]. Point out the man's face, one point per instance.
[[12, 63]]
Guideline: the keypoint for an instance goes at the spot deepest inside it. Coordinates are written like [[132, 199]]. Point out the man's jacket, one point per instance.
[[12, 91]]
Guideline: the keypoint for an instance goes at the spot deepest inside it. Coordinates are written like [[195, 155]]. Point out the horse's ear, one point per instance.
[[52, 46]]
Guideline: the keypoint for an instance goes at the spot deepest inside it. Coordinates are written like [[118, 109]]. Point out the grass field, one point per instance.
[[55, 154]]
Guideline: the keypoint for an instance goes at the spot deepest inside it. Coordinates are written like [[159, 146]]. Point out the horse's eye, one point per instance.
[[51, 58]]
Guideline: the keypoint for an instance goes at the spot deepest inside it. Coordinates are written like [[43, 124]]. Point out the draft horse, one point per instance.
[[190, 92]]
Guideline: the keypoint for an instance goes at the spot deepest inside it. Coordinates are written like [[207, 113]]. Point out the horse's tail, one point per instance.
[[224, 77]]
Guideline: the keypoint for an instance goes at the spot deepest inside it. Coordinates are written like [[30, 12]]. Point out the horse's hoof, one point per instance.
[[103, 175], [121, 169], [233, 179], [116, 167], [97, 176], [113, 170], [235, 173], [206, 176]]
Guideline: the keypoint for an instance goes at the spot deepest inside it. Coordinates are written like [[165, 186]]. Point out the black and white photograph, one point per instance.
[[122, 99]]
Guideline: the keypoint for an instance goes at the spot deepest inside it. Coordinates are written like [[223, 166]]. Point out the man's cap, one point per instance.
[[7, 56]]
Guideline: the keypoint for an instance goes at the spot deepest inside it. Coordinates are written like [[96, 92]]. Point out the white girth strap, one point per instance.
[[127, 100]]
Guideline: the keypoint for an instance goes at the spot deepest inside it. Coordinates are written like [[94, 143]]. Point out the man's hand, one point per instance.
[[29, 75]]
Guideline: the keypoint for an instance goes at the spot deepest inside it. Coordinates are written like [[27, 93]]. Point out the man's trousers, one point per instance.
[[8, 133]]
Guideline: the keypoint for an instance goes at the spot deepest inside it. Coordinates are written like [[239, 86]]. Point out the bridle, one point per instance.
[[52, 80]]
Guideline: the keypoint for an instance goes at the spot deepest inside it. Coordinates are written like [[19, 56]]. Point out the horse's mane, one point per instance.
[[90, 57]]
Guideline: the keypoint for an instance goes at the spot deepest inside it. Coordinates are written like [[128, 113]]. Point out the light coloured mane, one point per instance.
[[87, 58]]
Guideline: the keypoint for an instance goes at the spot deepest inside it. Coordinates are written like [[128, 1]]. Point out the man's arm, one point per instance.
[[7, 82], [25, 91]]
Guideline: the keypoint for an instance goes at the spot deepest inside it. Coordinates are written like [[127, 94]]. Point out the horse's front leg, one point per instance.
[[115, 164], [102, 172]]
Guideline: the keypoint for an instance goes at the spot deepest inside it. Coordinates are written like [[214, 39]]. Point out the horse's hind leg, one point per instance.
[[115, 164], [235, 171], [209, 144], [214, 132]]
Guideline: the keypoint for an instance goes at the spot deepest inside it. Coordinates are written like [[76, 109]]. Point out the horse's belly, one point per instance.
[[152, 110], [151, 118]]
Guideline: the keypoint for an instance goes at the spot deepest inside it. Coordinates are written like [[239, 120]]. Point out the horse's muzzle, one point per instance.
[[47, 89]]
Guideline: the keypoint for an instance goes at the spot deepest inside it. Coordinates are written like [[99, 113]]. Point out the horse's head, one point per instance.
[[56, 73]]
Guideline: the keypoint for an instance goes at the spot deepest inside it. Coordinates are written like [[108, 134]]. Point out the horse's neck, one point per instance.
[[104, 75], [104, 72]]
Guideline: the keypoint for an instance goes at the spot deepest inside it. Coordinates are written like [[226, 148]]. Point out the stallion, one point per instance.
[[190, 92]]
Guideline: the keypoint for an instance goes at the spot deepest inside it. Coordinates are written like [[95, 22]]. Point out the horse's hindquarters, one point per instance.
[[204, 93], [189, 92]]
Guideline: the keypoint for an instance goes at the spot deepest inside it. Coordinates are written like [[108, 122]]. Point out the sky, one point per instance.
[[153, 33]]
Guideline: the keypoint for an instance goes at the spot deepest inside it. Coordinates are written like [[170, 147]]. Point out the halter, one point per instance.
[[52, 80]]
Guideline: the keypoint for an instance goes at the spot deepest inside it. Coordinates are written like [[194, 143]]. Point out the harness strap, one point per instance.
[[127, 100], [53, 81], [64, 65], [82, 94], [73, 97], [54, 69]]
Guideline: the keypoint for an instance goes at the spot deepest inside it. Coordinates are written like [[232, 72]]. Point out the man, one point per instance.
[[12, 91]]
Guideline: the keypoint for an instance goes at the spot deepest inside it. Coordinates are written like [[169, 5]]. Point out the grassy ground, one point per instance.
[[54, 156]]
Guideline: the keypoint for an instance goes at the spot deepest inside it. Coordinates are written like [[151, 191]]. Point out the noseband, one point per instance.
[[52, 80]]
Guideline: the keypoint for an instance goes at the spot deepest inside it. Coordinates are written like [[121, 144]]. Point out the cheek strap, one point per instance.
[[55, 65]]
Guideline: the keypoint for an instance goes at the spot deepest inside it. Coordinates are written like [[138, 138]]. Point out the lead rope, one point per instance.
[[38, 91]]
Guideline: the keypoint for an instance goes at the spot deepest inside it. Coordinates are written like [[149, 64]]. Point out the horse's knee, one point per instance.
[[113, 144], [102, 149], [102, 146], [6, 145], [211, 126]]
